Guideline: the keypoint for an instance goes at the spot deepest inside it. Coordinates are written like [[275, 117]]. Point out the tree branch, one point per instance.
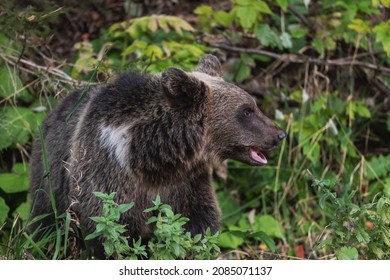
[[304, 20], [293, 58], [19, 62]]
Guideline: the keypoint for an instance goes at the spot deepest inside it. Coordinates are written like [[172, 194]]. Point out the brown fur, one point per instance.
[[142, 136]]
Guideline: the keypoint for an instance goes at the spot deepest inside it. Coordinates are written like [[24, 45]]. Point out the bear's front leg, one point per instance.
[[196, 200], [203, 217]]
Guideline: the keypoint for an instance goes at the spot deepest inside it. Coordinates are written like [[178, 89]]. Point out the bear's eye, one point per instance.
[[248, 112]]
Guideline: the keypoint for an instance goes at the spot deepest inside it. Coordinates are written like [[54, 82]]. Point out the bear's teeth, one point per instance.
[[258, 156]]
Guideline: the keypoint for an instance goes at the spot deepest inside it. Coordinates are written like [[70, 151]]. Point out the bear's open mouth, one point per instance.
[[258, 156]]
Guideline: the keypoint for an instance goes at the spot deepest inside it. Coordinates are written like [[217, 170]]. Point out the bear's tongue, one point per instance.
[[258, 156]]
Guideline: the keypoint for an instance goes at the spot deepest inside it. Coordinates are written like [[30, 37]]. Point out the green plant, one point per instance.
[[323, 65], [355, 227], [150, 43], [169, 239], [115, 245], [378, 174]]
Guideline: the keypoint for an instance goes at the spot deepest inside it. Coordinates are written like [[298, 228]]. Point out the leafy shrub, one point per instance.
[[355, 227], [324, 66], [107, 226], [155, 42], [169, 239]]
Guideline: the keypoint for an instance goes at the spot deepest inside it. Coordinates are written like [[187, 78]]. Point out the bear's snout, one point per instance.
[[273, 137]]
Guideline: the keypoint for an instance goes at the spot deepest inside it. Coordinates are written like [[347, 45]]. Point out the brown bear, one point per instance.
[[146, 135]]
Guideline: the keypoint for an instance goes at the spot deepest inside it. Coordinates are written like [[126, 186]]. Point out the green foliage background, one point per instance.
[[321, 69]]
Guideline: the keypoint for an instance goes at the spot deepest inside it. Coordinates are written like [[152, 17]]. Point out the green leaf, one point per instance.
[[178, 24], [347, 253], [329, 43], [138, 47], [354, 209], [17, 125], [244, 2], [268, 241], [17, 181], [261, 7], [205, 14], [228, 240], [312, 151], [98, 219], [359, 26], [100, 227], [154, 52], [382, 32], [224, 18], [358, 107], [125, 207], [157, 201], [286, 40], [4, 209], [376, 250], [239, 233], [23, 210], [298, 32], [247, 16], [108, 248], [267, 36], [269, 225], [197, 238], [283, 4], [104, 196], [362, 236], [92, 235], [340, 233], [378, 167], [318, 45], [323, 198], [203, 10], [151, 220], [385, 3], [176, 249], [243, 72], [383, 209], [386, 236]]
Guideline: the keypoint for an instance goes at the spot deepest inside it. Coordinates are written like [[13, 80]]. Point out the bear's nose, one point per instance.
[[281, 135]]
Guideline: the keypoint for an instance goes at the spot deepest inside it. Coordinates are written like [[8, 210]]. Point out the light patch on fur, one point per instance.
[[91, 94], [207, 79], [76, 148], [116, 140]]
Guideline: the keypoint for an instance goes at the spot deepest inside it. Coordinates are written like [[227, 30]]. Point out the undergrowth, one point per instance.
[[169, 240], [355, 226], [321, 68]]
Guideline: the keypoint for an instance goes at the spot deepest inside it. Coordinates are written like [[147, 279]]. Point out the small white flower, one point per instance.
[[306, 3], [279, 115], [305, 96], [40, 109], [332, 127]]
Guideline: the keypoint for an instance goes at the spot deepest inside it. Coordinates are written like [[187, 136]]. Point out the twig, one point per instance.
[[54, 71], [293, 58], [304, 20]]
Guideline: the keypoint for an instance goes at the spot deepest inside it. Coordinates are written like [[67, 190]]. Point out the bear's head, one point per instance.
[[237, 129]]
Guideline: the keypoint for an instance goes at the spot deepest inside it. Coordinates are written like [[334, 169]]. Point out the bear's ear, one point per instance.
[[182, 88], [210, 65]]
